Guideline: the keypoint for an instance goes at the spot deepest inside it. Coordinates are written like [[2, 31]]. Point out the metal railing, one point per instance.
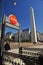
[[26, 58]]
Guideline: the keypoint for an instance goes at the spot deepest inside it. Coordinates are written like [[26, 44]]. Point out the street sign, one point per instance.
[[12, 22], [12, 26], [13, 19]]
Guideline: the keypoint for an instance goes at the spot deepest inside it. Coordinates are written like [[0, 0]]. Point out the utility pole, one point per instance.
[[2, 39]]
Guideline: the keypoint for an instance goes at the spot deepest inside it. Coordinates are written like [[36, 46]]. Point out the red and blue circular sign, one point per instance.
[[13, 19]]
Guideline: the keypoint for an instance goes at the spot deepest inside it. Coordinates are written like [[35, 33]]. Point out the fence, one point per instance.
[[25, 58]]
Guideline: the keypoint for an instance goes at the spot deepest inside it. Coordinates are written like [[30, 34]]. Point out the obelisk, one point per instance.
[[33, 27]]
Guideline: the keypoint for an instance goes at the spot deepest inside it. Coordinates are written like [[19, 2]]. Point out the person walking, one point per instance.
[[7, 46]]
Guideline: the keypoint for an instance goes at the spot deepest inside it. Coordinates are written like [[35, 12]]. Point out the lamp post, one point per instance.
[[2, 35]]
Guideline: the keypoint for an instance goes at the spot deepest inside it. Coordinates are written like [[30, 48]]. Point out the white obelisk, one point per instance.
[[33, 27]]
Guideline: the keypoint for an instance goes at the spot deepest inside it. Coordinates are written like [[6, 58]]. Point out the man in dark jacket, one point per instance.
[[7, 46]]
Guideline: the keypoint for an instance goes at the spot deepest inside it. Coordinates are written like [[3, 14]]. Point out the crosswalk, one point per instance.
[[13, 61]]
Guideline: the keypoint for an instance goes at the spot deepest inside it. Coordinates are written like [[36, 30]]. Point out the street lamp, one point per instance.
[[14, 3]]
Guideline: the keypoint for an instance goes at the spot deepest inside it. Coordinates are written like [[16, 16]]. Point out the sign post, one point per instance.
[[12, 22]]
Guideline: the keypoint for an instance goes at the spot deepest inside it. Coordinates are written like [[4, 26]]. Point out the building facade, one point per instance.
[[24, 36]]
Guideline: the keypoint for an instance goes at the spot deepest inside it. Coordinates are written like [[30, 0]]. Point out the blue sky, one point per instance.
[[22, 12]]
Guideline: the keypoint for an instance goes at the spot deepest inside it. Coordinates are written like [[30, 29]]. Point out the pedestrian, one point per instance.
[[7, 46]]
